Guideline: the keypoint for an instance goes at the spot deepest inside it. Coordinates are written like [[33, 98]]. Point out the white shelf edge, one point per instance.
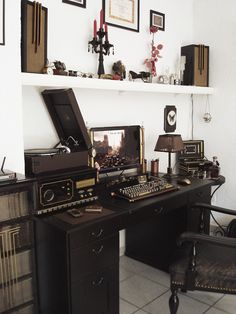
[[52, 81]]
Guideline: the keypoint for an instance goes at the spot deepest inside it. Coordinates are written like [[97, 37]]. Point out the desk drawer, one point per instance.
[[97, 293], [160, 208], [97, 231], [94, 257]]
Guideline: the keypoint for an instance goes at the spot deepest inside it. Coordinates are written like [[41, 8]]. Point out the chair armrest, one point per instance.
[[203, 238], [214, 208]]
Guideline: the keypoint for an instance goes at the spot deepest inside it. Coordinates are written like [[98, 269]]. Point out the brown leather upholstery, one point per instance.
[[215, 269], [203, 262]]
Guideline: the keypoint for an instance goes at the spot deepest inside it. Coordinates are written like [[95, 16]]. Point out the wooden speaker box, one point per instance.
[[197, 65], [34, 36]]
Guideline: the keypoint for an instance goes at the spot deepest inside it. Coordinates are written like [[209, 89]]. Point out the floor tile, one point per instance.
[[124, 273], [139, 290], [186, 305], [227, 304], [127, 308], [156, 275], [132, 265], [204, 296], [213, 310], [141, 312]]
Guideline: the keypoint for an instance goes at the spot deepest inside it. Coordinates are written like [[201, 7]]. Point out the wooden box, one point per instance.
[[197, 65], [34, 36]]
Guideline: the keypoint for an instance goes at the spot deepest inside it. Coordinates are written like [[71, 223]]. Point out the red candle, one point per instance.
[[94, 28], [101, 18], [106, 32]]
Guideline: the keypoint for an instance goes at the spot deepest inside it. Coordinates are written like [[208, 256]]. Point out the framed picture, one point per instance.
[[122, 13], [2, 22], [79, 3], [157, 19]]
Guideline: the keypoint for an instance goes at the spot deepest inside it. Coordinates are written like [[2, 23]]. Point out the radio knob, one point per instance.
[[48, 195]]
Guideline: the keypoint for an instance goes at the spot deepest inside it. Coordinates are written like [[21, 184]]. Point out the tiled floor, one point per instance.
[[144, 289]]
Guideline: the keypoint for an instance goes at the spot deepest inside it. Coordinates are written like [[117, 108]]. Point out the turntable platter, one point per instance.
[[41, 151]]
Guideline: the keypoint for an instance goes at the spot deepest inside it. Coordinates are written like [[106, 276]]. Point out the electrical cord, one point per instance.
[[213, 217], [192, 115]]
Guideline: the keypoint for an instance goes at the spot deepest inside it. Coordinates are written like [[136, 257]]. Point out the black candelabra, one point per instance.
[[100, 44]]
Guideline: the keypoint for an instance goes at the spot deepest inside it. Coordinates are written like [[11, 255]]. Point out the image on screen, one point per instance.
[[116, 148]]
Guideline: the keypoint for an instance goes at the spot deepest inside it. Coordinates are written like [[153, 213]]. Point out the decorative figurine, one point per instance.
[[119, 70], [144, 76], [98, 45], [59, 68]]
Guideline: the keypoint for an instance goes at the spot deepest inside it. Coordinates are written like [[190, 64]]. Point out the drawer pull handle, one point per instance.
[[200, 194], [98, 283], [97, 235], [98, 251], [158, 210]]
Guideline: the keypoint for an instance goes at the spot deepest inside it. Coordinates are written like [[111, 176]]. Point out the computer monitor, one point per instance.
[[117, 147]]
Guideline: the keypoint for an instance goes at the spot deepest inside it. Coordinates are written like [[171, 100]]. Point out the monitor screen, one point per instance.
[[117, 148]]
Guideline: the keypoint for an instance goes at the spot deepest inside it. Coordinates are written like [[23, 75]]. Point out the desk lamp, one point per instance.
[[170, 143]]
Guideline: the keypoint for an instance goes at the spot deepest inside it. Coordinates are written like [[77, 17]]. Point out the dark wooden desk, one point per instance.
[[78, 258]]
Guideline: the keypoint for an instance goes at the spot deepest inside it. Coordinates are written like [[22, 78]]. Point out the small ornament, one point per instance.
[[207, 117]]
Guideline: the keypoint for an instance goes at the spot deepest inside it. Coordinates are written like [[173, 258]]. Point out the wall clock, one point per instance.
[[170, 117]]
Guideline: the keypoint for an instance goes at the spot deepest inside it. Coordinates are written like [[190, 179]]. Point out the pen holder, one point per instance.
[[154, 167]]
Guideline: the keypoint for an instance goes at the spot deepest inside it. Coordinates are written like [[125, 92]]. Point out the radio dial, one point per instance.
[[48, 195]]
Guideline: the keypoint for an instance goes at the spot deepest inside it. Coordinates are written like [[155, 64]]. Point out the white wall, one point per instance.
[[11, 132], [217, 28], [70, 28]]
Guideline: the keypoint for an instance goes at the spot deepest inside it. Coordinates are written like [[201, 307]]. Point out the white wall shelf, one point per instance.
[[57, 81]]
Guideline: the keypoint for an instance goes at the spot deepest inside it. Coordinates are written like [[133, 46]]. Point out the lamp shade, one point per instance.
[[169, 143]]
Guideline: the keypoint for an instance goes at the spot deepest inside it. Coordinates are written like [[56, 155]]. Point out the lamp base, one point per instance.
[[170, 175]]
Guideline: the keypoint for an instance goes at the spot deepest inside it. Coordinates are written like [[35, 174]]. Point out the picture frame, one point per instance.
[[79, 3], [157, 19], [2, 22], [122, 13]]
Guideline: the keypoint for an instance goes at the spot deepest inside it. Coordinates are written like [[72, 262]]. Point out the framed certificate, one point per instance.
[[2, 22], [122, 13]]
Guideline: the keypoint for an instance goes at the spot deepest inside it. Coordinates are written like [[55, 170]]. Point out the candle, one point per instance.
[[106, 32], [101, 18], [94, 28]]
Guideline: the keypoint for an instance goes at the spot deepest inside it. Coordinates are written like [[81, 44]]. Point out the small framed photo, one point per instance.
[[79, 3], [157, 19], [2, 22], [122, 13]]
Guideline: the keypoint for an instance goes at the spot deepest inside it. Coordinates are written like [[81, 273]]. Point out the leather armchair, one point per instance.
[[203, 262]]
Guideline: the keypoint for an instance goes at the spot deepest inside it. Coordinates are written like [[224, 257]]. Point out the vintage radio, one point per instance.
[[64, 191], [196, 65]]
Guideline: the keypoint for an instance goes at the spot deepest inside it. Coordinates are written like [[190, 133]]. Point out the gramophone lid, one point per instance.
[[67, 118]]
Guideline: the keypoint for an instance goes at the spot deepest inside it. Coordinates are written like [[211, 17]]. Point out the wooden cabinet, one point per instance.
[[78, 265], [17, 262]]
